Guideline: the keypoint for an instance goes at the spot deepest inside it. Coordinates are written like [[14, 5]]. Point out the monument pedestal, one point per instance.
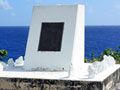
[[21, 80]]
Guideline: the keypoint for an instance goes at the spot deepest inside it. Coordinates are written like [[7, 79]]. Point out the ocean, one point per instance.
[[14, 40], [97, 39]]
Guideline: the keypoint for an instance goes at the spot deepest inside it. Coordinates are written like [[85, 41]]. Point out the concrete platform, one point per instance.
[[22, 80]]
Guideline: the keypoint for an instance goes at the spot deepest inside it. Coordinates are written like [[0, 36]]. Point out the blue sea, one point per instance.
[[97, 39]]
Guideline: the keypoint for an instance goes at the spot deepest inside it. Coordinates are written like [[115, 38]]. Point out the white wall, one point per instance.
[[79, 44], [72, 42]]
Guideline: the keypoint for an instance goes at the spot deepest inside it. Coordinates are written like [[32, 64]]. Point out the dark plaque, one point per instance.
[[51, 36]]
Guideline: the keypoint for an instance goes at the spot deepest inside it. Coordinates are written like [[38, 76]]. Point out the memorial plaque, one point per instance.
[[51, 36]]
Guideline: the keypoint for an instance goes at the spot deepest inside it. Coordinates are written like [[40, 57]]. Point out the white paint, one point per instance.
[[109, 60], [91, 71], [19, 61], [78, 45], [1, 67], [10, 62], [19, 72], [98, 67], [4, 64], [72, 50]]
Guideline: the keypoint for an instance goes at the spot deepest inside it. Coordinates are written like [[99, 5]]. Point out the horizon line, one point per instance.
[[85, 25]]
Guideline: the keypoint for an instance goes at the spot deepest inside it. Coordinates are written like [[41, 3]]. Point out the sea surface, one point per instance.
[[97, 39]]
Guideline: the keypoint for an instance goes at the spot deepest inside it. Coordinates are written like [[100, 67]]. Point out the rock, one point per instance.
[[94, 69], [111, 61], [10, 62], [117, 86], [98, 67], [4, 64], [107, 62], [1, 67], [19, 61], [91, 71], [104, 65]]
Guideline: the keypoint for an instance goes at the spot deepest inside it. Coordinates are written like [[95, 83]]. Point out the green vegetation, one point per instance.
[[3, 54], [109, 51]]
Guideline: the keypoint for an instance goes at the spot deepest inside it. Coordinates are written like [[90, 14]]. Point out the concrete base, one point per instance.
[[39, 84], [10, 83]]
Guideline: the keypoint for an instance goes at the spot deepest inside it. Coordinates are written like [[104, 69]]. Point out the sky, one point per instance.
[[97, 12]]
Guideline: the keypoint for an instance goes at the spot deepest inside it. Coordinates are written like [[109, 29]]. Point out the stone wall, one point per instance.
[[111, 81], [38, 84]]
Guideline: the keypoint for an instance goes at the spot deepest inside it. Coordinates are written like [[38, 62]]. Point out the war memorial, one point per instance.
[[54, 58]]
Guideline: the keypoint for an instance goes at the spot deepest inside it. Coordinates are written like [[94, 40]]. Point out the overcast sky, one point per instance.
[[98, 12]]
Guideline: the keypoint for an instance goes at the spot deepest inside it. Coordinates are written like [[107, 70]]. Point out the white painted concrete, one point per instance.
[[72, 50], [100, 66], [78, 45], [19, 61], [19, 72]]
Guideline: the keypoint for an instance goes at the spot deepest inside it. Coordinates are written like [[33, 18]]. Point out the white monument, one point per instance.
[[56, 38], [55, 51]]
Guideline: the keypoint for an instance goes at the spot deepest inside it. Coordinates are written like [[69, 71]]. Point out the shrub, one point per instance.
[[109, 52], [3, 54]]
